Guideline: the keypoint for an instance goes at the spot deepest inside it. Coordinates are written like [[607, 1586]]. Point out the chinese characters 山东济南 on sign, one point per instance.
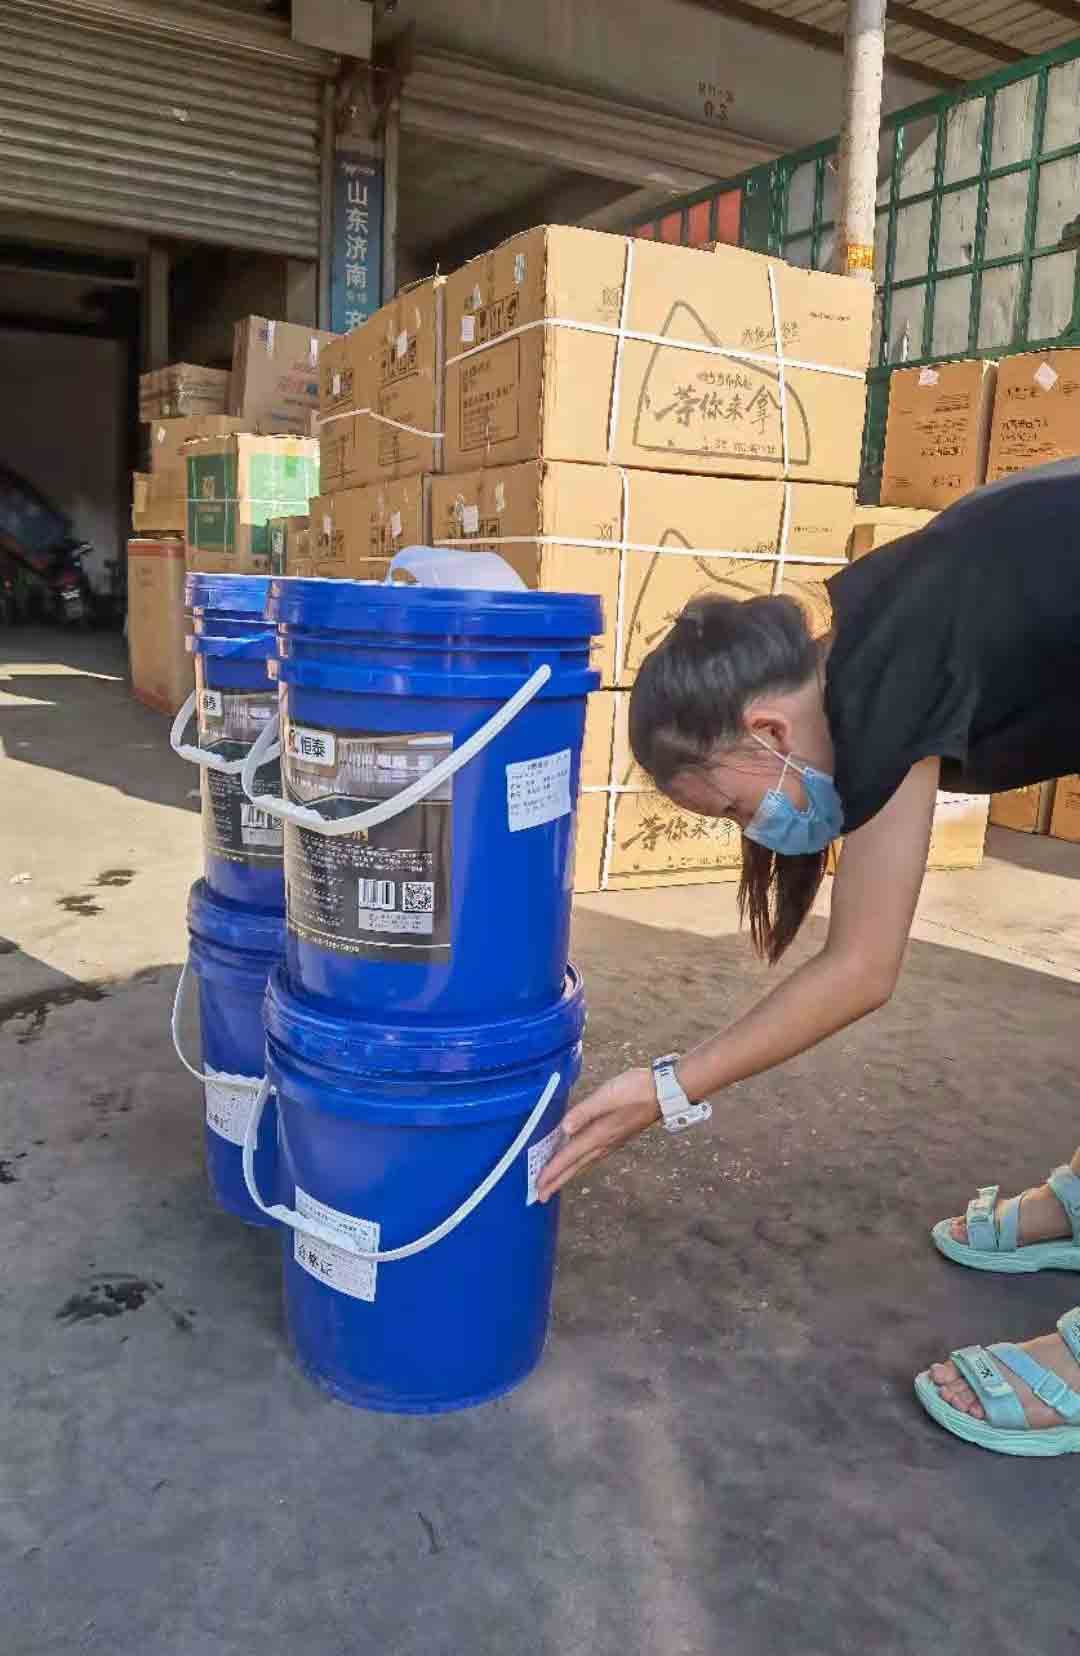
[[356, 273]]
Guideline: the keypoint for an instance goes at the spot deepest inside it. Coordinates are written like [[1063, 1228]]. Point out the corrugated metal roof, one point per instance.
[[1002, 29]]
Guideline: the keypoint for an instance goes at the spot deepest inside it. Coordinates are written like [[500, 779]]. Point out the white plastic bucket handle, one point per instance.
[[197, 755], [341, 1239], [266, 747], [253, 1082], [444, 566]]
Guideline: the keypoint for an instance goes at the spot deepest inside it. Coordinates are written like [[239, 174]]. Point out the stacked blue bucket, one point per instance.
[[236, 912], [424, 1029]]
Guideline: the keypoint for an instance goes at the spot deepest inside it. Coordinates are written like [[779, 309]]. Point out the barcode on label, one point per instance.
[[377, 894]]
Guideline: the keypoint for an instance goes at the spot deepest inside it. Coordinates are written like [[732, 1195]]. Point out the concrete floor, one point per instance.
[[720, 1456]]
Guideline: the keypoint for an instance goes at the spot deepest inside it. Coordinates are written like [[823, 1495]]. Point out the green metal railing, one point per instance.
[[975, 247]]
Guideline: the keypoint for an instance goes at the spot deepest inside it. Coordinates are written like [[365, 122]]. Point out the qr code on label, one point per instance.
[[418, 896]]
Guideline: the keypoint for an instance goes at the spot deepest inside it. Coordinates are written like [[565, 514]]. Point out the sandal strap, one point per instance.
[[982, 1231], [1069, 1329], [1008, 1223], [1048, 1387], [1000, 1403], [1066, 1187]]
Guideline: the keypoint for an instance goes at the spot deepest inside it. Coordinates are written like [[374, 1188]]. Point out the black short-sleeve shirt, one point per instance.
[[963, 641]]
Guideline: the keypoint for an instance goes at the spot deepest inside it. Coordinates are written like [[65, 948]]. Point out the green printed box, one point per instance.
[[236, 484]]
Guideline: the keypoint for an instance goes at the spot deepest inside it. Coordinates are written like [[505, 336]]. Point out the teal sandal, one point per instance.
[[993, 1240], [1005, 1428]]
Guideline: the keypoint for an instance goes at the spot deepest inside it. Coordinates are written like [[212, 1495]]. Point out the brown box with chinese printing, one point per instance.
[[1027, 810], [162, 672], [568, 344], [937, 433], [380, 393], [1036, 413], [630, 836], [275, 374], [356, 532], [646, 542], [167, 462]]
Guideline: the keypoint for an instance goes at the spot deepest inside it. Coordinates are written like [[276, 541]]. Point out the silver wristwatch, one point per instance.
[[675, 1107]]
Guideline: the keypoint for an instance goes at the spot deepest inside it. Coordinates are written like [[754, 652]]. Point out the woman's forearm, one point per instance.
[[824, 995]]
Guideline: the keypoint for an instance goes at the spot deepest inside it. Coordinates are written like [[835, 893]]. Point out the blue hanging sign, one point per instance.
[[356, 264]]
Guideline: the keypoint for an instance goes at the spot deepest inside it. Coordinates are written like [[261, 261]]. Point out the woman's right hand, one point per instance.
[[610, 1117]]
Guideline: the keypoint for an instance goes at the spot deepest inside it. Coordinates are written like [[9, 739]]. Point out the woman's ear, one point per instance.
[[770, 724]]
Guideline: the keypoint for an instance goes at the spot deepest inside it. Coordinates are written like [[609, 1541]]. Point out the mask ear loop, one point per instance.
[[789, 761]]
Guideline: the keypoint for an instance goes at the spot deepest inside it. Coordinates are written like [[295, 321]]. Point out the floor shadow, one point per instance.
[[83, 719], [720, 1452], [1038, 852]]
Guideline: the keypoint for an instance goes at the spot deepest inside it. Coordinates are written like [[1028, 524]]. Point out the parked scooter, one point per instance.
[[38, 545]]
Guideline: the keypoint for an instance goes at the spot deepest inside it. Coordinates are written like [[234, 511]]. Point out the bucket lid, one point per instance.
[[213, 920], [366, 607], [351, 1045], [240, 595]]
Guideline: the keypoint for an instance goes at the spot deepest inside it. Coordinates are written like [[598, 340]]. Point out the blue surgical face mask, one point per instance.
[[780, 826]]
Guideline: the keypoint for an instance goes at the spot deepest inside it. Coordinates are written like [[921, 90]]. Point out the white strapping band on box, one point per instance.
[[383, 419]]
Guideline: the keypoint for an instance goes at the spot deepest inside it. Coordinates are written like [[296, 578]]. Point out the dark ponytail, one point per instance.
[[689, 703]]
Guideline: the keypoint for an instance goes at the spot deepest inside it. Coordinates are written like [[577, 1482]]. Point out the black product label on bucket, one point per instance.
[[384, 893], [234, 828]]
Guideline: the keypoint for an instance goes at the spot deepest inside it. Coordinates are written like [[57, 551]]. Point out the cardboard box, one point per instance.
[[938, 433], [355, 534], [1036, 413], [162, 671], [290, 546], [153, 513], [876, 526], [685, 398], [377, 380], [1027, 810], [166, 463], [1065, 817], [628, 840], [958, 836], [734, 524], [235, 486], [275, 374], [182, 389]]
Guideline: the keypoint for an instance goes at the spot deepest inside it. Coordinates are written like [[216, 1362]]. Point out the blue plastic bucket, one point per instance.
[[234, 698], [383, 1133], [459, 907], [231, 953]]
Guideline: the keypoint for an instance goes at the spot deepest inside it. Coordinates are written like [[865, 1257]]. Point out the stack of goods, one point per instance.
[[938, 433], [290, 545], [423, 1028], [159, 495], [1036, 413], [1065, 817], [182, 389], [380, 419], [1026, 810], [274, 385], [237, 485]]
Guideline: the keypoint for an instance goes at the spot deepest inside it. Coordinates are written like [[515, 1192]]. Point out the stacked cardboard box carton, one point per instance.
[[237, 485], [937, 434], [182, 389], [162, 675], [1036, 412], [1026, 810]]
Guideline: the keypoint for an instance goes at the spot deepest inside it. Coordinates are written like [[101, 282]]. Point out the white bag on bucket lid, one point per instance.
[[442, 566]]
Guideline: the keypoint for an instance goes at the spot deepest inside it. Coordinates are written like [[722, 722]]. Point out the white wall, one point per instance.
[[63, 424], [658, 54]]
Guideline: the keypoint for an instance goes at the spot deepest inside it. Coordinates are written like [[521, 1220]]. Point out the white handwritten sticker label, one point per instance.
[[500, 498], [336, 1267], [538, 791], [327, 526], [161, 434], [313, 351], [537, 1158], [395, 525], [520, 266], [335, 385], [211, 704], [477, 297], [228, 1105], [1045, 376], [468, 329], [402, 344], [470, 520], [271, 329], [928, 376]]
